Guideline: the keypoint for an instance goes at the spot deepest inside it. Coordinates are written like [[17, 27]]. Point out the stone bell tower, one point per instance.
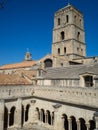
[[68, 34]]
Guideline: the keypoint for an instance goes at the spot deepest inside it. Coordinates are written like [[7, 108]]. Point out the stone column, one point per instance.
[[88, 126], [78, 125], [40, 115], [63, 122], [70, 124], [19, 113], [96, 120], [2, 115], [51, 118], [46, 117], [24, 116], [8, 119]]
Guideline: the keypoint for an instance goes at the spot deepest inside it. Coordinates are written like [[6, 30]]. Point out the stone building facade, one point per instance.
[[58, 92]]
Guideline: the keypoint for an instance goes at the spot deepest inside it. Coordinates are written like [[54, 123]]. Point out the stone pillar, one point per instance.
[[88, 126], [46, 118], [70, 124], [19, 113], [78, 125], [8, 119], [2, 115], [40, 115], [24, 116], [58, 122], [96, 120], [51, 118], [63, 122]]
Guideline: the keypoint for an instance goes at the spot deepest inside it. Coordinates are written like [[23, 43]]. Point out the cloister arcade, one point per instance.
[[10, 116], [69, 123], [45, 117]]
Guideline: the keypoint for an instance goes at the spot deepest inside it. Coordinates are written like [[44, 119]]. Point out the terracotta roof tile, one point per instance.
[[13, 79], [18, 65], [31, 74]]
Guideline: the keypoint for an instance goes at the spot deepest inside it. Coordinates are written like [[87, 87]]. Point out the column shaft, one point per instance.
[[70, 123], [1, 114]]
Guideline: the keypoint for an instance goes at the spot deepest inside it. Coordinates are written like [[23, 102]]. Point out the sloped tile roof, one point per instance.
[[70, 72], [18, 65], [31, 74], [13, 79]]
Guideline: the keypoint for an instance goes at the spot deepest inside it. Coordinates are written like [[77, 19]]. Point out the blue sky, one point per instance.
[[29, 23]]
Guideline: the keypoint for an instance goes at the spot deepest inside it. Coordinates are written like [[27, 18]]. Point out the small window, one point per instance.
[[75, 17], [78, 49], [61, 64], [67, 18], [59, 51], [80, 22], [59, 21], [88, 81], [62, 35], [78, 36], [64, 50]]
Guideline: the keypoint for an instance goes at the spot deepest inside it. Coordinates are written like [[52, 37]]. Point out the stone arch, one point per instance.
[[27, 112], [5, 118], [42, 115], [48, 117], [92, 124], [48, 63], [82, 124], [74, 123], [64, 116], [12, 116]]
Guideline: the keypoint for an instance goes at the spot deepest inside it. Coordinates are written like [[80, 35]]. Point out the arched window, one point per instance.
[[27, 112], [22, 115], [74, 124], [43, 115], [12, 116], [82, 124], [48, 63], [65, 118], [75, 17], [67, 18], [5, 118], [59, 21], [88, 81], [78, 36], [64, 50], [62, 35], [48, 117], [92, 125]]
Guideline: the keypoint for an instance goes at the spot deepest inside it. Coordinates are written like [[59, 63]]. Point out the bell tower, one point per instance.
[[68, 33]]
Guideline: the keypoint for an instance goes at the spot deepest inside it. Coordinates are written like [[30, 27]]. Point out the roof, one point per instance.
[[70, 72], [30, 74], [18, 65], [13, 79], [70, 7]]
